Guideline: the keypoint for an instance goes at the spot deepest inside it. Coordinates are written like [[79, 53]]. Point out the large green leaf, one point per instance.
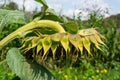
[[71, 27], [50, 14], [10, 17], [26, 69]]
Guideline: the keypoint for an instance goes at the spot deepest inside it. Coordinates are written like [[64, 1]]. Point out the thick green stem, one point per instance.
[[35, 24]]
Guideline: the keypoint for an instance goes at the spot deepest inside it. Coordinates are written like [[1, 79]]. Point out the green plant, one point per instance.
[[26, 69], [5, 73], [44, 37], [84, 36]]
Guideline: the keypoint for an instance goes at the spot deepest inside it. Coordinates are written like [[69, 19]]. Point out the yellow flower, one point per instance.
[[66, 76], [70, 68], [97, 71], [84, 77], [104, 71], [93, 77], [59, 72]]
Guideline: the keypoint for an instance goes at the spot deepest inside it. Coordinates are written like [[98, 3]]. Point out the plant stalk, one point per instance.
[[34, 24]]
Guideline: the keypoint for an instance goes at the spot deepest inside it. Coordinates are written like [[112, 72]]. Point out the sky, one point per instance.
[[70, 7]]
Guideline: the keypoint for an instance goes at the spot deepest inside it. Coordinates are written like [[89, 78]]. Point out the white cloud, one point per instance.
[[30, 5], [76, 6], [19, 3], [57, 1], [89, 5], [56, 7]]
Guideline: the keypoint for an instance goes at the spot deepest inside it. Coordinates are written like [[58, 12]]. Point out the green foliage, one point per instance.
[[43, 2], [26, 69], [50, 14], [48, 35], [71, 27], [5, 73], [9, 21], [109, 28], [53, 40], [88, 72], [8, 17]]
